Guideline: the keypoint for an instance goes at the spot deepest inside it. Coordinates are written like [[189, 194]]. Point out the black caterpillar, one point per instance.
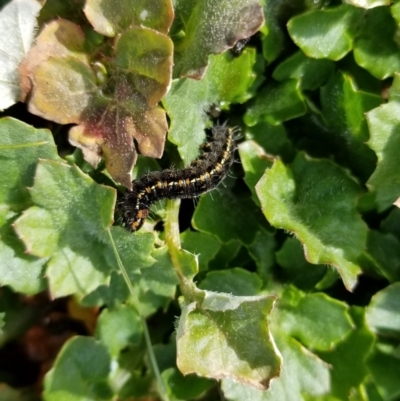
[[201, 176]]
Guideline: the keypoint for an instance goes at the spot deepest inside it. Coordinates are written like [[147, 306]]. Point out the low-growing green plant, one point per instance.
[[281, 285]]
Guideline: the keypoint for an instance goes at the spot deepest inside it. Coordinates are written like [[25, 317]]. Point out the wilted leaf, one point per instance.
[[112, 17], [17, 29], [210, 28], [111, 106], [307, 198], [228, 336]]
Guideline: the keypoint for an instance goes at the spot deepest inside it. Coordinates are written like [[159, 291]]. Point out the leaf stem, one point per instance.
[[135, 301]]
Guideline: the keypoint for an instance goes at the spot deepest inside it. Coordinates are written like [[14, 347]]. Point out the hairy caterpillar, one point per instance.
[[201, 176]]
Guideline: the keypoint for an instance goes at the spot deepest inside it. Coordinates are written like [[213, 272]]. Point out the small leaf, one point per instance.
[[235, 281], [17, 29], [383, 315], [185, 387], [312, 73], [119, 328], [113, 17], [202, 245], [80, 372], [276, 103], [299, 199], [375, 48], [255, 162], [325, 33], [384, 125], [210, 28], [227, 336]]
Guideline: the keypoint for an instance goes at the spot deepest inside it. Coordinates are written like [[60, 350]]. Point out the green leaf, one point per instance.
[[235, 281], [227, 336], [20, 148], [17, 28], [221, 214], [383, 312], [300, 199], [375, 48], [228, 80], [317, 321], [80, 372], [156, 285], [368, 3], [185, 387], [385, 252], [255, 162], [344, 108], [312, 73], [276, 103], [384, 126], [384, 370], [72, 211], [115, 16], [119, 328], [295, 267], [203, 245], [210, 28], [348, 360], [325, 33]]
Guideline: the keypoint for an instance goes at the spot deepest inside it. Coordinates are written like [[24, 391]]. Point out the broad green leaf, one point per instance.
[[20, 148], [276, 103], [210, 28], [233, 281], [79, 373], [113, 17], [227, 336], [71, 212], [376, 48], [119, 328], [384, 127], [383, 312], [228, 80], [255, 162], [325, 33], [311, 72], [344, 108], [317, 321], [17, 29], [316, 200], [203, 245], [227, 217], [181, 387], [385, 373], [296, 269]]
